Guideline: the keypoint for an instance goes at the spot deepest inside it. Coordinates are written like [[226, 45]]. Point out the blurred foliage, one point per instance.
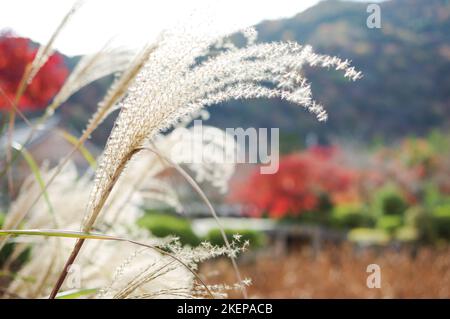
[[307, 181], [407, 234], [349, 216], [8, 250], [389, 223], [368, 236], [441, 221], [5, 252], [163, 225], [256, 238], [401, 191], [389, 201]]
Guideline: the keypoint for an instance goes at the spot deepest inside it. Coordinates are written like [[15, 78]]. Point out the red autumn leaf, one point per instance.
[[15, 54], [297, 186]]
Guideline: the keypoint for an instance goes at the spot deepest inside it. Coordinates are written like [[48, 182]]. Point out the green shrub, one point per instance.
[[432, 196], [256, 238], [163, 225], [389, 223], [350, 216], [309, 218], [2, 219], [393, 204], [389, 201], [441, 221]]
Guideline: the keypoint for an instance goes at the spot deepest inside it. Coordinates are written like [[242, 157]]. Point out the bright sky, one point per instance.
[[131, 22]]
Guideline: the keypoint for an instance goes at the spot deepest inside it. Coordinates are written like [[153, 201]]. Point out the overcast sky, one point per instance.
[[130, 22]]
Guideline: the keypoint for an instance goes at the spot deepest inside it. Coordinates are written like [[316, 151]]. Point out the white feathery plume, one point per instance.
[[212, 144], [147, 275], [98, 261], [174, 84], [89, 69], [45, 51]]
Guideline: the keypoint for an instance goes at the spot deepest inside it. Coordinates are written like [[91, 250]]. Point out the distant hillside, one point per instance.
[[406, 66]]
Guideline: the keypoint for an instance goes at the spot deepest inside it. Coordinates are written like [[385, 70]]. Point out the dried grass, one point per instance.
[[340, 272]]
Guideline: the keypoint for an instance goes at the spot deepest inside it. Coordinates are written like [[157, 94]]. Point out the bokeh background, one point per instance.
[[369, 186]]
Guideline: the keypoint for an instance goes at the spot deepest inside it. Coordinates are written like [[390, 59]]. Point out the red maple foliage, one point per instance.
[[15, 54], [298, 185]]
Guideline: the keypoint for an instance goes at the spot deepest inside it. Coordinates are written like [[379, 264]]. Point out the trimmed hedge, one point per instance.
[[163, 225], [393, 204], [348, 217], [389, 201]]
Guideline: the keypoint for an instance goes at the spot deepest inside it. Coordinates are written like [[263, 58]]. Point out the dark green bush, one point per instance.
[[441, 221], [163, 225], [256, 238], [309, 218], [388, 200], [393, 204], [348, 217]]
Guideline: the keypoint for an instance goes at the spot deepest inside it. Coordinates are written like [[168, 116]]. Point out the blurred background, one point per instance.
[[369, 186]]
